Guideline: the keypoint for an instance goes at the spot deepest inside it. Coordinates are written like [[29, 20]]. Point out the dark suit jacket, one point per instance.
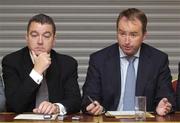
[[20, 89], [103, 82], [178, 89], [2, 96]]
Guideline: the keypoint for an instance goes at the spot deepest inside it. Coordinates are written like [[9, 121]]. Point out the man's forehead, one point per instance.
[[40, 27], [40, 24], [133, 20]]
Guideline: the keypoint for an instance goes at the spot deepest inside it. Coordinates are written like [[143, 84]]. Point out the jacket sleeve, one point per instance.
[[19, 87]]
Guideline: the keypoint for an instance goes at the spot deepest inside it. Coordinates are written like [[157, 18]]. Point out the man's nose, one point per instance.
[[127, 39], [40, 40]]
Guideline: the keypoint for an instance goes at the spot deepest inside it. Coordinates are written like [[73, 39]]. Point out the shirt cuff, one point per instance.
[[36, 76], [61, 108]]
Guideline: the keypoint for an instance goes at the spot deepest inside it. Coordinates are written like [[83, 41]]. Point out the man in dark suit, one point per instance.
[[105, 81], [2, 95], [178, 90], [38, 73]]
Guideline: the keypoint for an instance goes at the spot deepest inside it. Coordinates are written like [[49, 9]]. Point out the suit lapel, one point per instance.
[[52, 75], [143, 71], [113, 70], [28, 64]]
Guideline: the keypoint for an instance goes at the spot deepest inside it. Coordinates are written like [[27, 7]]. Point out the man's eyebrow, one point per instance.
[[47, 32], [121, 30], [134, 32], [33, 32]]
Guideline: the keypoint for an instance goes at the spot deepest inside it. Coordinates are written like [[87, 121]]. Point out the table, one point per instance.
[[169, 118], [84, 118]]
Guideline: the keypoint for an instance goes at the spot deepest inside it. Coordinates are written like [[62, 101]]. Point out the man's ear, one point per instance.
[[54, 40], [145, 35], [26, 37]]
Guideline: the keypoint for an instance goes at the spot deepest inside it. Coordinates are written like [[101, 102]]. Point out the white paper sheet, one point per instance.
[[128, 114], [116, 113], [33, 117]]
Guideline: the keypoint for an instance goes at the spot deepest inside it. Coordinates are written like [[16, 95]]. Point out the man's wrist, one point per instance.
[[62, 109], [57, 108], [103, 110], [36, 76]]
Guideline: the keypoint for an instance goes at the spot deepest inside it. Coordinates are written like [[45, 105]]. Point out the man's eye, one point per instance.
[[134, 34], [34, 35], [122, 34], [47, 35]]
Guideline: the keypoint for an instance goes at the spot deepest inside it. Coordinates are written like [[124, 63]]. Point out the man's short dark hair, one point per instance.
[[43, 19], [133, 13]]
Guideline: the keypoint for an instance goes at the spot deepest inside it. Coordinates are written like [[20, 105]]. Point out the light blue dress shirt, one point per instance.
[[123, 67]]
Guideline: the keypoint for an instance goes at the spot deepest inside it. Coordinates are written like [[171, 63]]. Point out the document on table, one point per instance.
[[34, 117], [124, 114]]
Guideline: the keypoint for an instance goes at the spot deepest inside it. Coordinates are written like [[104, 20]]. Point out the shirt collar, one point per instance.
[[31, 56]]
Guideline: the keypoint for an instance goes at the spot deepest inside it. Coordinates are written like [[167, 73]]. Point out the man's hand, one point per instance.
[[164, 107], [94, 108], [46, 108], [41, 62]]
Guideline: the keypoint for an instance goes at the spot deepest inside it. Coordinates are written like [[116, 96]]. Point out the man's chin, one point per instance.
[[38, 53], [129, 53]]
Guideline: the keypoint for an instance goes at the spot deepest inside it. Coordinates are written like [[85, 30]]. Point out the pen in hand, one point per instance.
[[91, 100]]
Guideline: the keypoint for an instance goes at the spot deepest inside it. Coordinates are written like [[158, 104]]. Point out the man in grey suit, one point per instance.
[[107, 76]]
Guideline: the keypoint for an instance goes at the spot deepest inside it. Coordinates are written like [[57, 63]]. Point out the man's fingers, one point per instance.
[[168, 108], [99, 111], [165, 100], [33, 54], [96, 103], [43, 106], [40, 107], [95, 109], [35, 110], [49, 109], [90, 107], [48, 54], [169, 105]]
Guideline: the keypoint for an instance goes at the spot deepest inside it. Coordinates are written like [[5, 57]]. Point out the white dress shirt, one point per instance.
[[123, 67]]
